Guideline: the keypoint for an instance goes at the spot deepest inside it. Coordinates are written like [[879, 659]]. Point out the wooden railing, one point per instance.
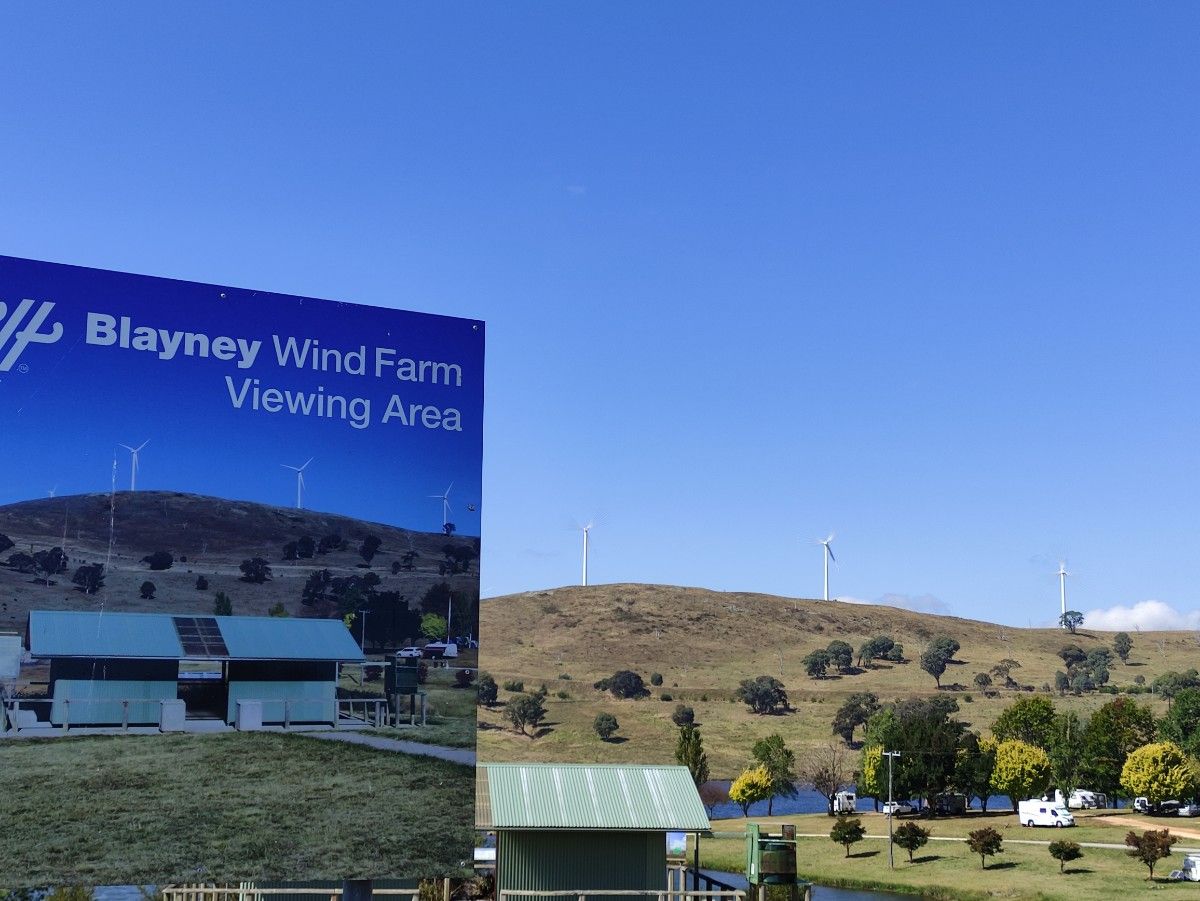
[[248, 892]]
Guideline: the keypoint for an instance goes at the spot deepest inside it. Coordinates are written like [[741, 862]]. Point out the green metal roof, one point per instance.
[[588, 796], [62, 633]]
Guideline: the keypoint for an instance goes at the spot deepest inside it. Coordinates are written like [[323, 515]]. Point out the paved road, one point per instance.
[[454, 755]]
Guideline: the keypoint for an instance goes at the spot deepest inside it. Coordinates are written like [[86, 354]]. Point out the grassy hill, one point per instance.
[[705, 642], [209, 537]]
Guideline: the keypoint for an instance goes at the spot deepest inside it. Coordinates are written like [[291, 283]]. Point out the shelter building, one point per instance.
[[141, 668], [584, 827]]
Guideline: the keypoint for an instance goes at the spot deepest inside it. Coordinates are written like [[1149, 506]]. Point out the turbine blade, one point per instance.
[[305, 466], [144, 443], [831, 557]]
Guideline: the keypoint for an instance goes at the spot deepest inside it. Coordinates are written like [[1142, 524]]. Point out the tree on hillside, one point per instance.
[[854, 712], [201, 583], [816, 663], [1030, 719], [780, 762], [689, 752], [627, 684], [1114, 731], [605, 725], [1159, 771], [369, 548], [1150, 847], [486, 690], [840, 654], [1003, 670], [21, 562], [1071, 620], [331, 542], [50, 563], [147, 590], [1182, 722], [1065, 852], [985, 842], [982, 681], [846, 831], [1122, 645], [764, 695], [910, 836], [1169, 684], [289, 551], [933, 661], [159, 560], [89, 577], [6, 543], [752, 786], [1072, 654], [222, 605], [828, 769], [1022, 771], [305, 547], [683, 715], [524, 711], [1062, 682], [874, 649], [946, 645], [255, 571]]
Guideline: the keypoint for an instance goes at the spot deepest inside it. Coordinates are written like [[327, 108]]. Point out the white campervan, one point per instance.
[[1044, 813], [844, 802]]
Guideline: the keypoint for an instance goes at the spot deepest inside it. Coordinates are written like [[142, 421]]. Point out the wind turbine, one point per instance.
[[53, 491], [1062, 589], [133, 453], [299, 470], [825, 542], [445, 499], [585, 530]]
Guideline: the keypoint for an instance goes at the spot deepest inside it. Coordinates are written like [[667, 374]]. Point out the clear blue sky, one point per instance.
[[922, 274]]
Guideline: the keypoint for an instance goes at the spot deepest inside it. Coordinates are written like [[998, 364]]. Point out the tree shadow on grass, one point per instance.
[[860, 854], [1071, 870], [1006, 865], [615, 740], [928, 858]]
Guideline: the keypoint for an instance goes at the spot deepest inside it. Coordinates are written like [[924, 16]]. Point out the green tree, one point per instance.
[[1072, 654], [982, 681], [1071, 620], [1022, 771], [840, 654], [780, 762], [305, 547], [605, 725], [926, 732], [752, 786], [1066, 751], [976, 761], [874, 649], [683, 715], [1122, 645], [524, 711], [50, 563], [627, 684], [1029, 719], [1182, 722], [255, 570], [159, 560], [816, 663], [201, 583], [933, 661], [946, 645], [985, 842], [1003, 670], [222, 605], [1111, 734], [486, 690], [369, 548], [854, 712], [1159, 771], [89, 577], [147, 590], [433, 626], [1065, 852], [1150, 847], [846, 831], [763, 695], [689, 752], [910, 837]]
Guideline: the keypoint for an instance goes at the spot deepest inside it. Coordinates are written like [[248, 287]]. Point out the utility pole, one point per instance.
[[890, 755]]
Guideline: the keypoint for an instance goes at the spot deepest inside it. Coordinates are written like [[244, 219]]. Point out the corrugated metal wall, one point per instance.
[[309, 702], [99, 702], [551, 861]]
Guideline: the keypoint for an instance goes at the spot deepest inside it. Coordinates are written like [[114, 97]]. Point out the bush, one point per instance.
[[665, 696], [158, 561], [627, 684], [605, 725], [683, 715], [656, 679], [563, 695], [463, 678], [487, 691], [763, 695], [201, 583], [566, 676], [516, 686], [524, 711]]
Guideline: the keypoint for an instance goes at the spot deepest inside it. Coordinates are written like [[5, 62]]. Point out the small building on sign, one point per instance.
[[162, 669], [584, 828]]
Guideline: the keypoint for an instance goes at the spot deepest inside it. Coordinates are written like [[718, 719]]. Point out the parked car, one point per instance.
[[1191, 809], [1044, 813], [1082, 799], [897, 807], [1141, 804], [409, 652], [1167, 809]]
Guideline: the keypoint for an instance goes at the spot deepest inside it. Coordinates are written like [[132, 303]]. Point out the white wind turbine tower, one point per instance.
[[299, 471], [445, 499], [1062, 589], [133, 453], [825, 542], [586, 530]]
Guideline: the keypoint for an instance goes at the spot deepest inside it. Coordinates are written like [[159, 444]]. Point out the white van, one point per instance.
[[440, 649], [1191, 869], [1082, 799], [844, 802], [1044, 813]]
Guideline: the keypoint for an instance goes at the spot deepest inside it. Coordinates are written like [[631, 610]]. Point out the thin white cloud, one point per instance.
[[919, 603], [1153, 616]]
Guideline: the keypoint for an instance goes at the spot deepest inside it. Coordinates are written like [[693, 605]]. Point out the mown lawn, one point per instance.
[[950, 870], [171, 808]]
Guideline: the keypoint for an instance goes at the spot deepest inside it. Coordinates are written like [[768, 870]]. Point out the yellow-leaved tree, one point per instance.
[[872, 779], [752, 786], [1159, 771], [1022, 771]]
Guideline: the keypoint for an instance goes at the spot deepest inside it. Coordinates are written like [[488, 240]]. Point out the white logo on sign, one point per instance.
[[27, 335]]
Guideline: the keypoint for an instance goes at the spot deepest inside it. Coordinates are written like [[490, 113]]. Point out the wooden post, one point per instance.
[[125, 715]]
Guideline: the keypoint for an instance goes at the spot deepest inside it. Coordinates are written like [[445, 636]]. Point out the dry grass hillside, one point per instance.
[[705, 642], [209, 537]]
